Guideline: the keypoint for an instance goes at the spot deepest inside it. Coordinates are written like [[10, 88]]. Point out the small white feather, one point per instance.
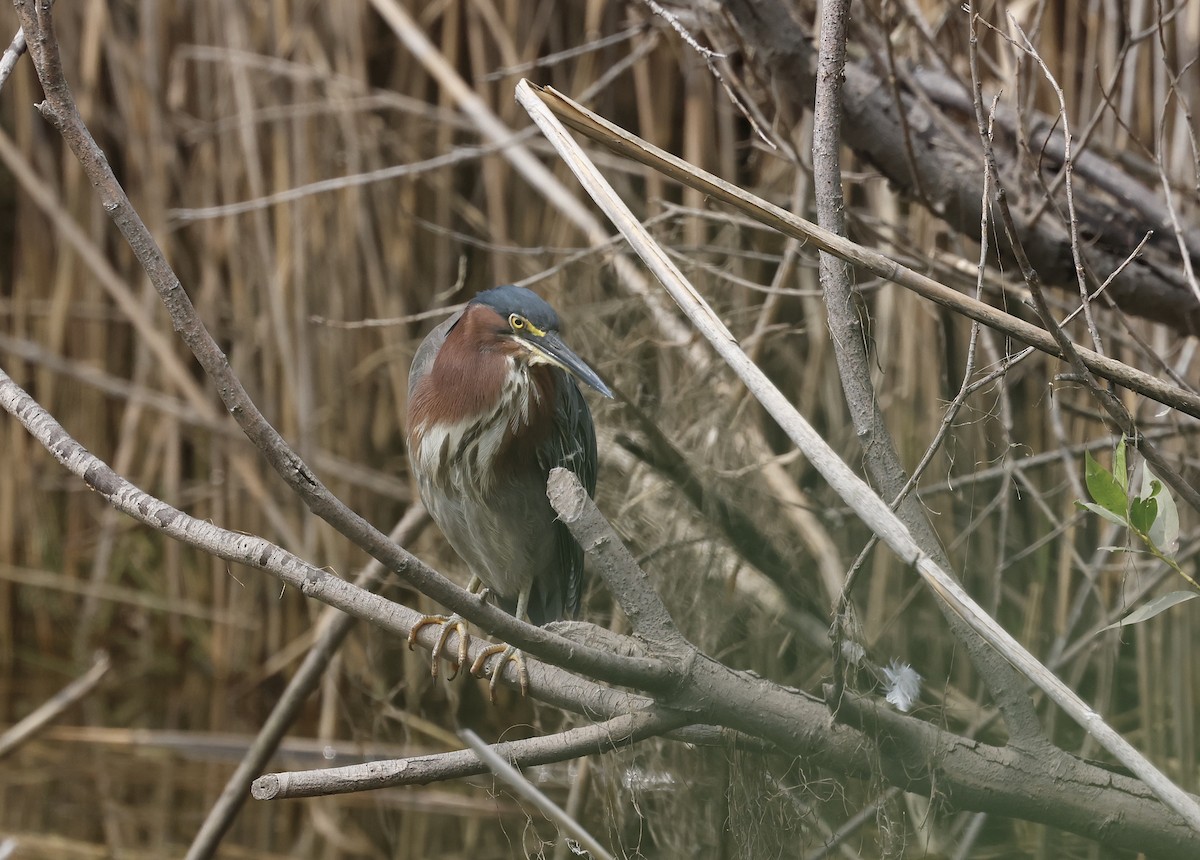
[[902, 683]]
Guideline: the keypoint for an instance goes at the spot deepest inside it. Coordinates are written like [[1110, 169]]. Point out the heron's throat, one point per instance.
[[468, 454]]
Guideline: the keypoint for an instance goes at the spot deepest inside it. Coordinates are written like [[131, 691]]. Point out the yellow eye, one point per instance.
[[516, 321]]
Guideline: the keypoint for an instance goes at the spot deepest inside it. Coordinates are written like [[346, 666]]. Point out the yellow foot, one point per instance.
[[450, 625], [507, 654]]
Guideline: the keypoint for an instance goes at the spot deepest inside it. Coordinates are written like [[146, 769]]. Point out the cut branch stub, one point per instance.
[[567, 497], [628, 582]]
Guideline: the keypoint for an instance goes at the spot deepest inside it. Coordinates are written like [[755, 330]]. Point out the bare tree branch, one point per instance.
[[12, 53], [48, 711], [617, 139], [1153, 288], [650, 619], [600, 737]]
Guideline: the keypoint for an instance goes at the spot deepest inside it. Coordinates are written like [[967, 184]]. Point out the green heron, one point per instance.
[[492, 407]]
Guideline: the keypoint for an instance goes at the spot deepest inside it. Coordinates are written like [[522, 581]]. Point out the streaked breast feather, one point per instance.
[[463, 454]]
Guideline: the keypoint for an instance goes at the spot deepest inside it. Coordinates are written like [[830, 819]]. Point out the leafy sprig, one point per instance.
[[1150, 515]]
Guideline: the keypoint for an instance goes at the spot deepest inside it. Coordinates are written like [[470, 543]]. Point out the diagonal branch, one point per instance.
[[650, 619], [621, 141], [870, 508], [12, 53], [545, 681], [60, 109]]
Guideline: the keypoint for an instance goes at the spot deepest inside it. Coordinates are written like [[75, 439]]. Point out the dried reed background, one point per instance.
[[208, 105]]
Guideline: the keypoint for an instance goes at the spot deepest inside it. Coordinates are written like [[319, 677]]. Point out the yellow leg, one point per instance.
[[507, 653], [450, 624]]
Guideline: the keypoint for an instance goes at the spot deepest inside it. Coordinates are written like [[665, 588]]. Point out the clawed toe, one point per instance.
[[455, 624], [507, 654], [450, 625]]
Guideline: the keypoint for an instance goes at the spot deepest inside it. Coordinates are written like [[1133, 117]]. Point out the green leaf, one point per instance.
[[1099, 511], [1142, 514], [1120, 472], [1154, 607], [1104, 489], [1165, 530]]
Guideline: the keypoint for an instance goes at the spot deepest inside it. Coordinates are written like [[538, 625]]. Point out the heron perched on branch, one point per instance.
[[493, 406]]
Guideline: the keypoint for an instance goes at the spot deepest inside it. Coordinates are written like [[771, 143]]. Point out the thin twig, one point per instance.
[[1068, 185], [12, 53], [50, 710], [545, 61], [339, 183], [334, 626], [710, 57], [1185, 252], [567, 825]]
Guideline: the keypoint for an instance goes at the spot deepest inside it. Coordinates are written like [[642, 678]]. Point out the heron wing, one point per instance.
[[572, 446], [422, 362]]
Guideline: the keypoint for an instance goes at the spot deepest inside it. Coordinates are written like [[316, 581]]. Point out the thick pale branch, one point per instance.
[[12, 53], [629, 584]]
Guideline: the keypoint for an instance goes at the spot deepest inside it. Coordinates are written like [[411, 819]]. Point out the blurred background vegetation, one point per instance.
[[220, 118]]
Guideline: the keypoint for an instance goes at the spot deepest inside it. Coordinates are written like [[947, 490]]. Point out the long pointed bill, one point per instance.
[[551, 349]]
